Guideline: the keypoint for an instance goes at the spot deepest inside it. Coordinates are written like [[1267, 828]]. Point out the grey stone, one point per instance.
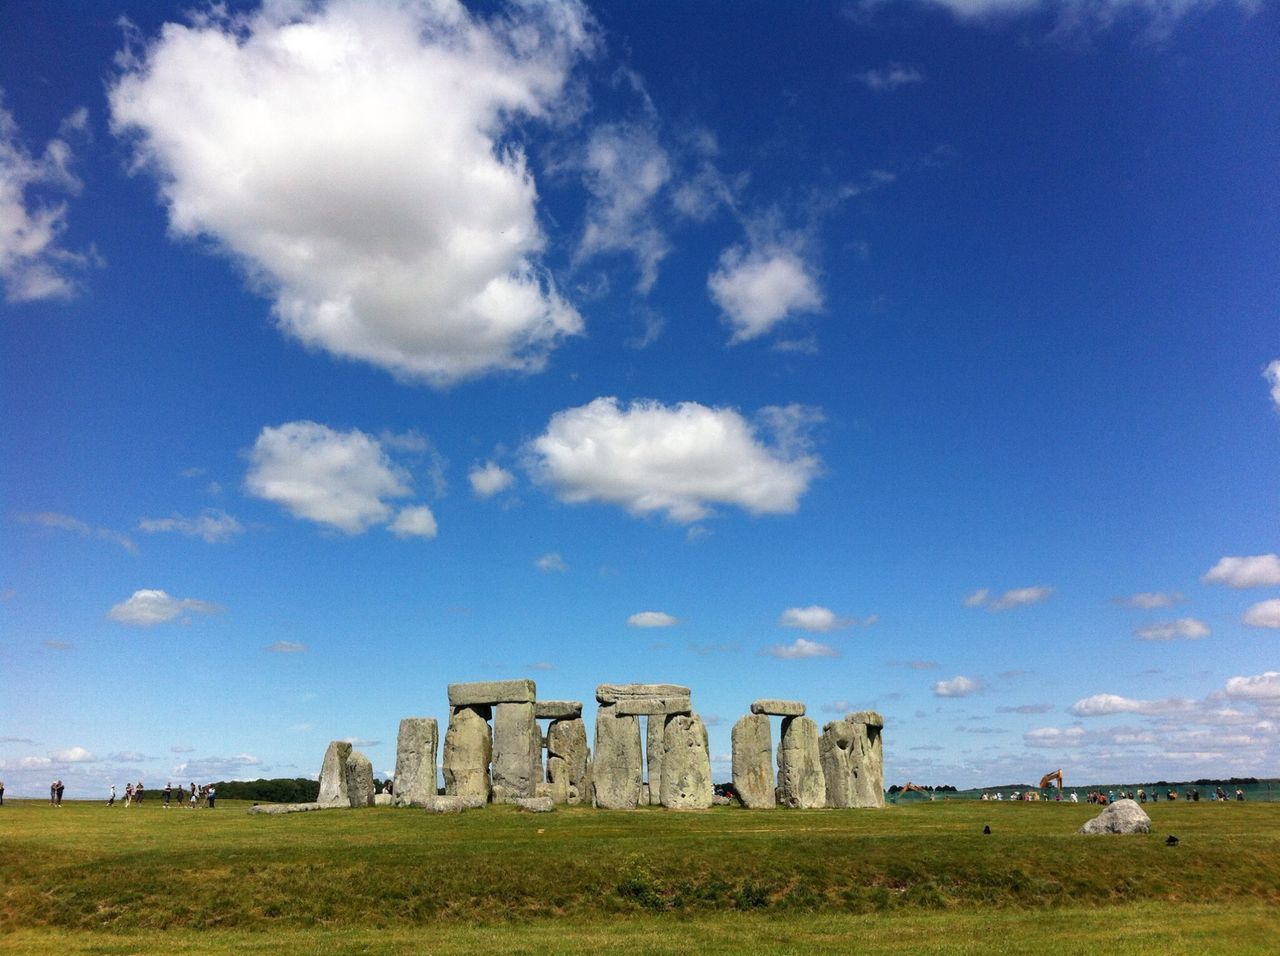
[[333, 776], [778, 708], [612, 693], [517, 752], [653, 747], [277, 808], [616, 770], [557, 709], [753, 762], [415, 779], [720, 800], [492, 692], [838, 750], [686, 764], [648, 796], [383, 800], [868, 768], [534, 804], [801, 784], [360, 780], [869, 717], [568, 761], [453, 804], [654, 706], [468, 748], [1123, 816]]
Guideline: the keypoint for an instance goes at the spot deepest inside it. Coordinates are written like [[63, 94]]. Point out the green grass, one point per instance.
[[911, 878]]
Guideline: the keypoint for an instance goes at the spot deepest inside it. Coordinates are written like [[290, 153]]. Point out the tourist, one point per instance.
[[1, 793], [137, 792], [195, 795], [128, 794], [58, 793], [1075, 797], [168, 794], [111, 800], [53, 793], [213, 792], [1239, 793]]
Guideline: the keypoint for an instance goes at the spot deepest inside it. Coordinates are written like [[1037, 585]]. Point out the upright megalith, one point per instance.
[[360, 788], [838, 750], [616, 772], [868, 775], [654, 745], [801, 784], [468, 748], [686, 764], [517, 752], [333, 776], [753, 762], [415, 780], [568, 761]]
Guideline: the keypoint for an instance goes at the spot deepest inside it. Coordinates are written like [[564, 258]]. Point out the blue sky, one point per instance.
[[910, 356]]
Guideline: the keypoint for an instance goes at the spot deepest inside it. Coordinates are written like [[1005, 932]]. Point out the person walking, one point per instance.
[[111, 800], [1, 793], [168, 794], [213, 793], [58, 793], [128, 794]]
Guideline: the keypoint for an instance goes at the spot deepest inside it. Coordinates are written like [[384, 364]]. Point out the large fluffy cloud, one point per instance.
[[150, 606], [681, 460], [1255, 571], [761, 288], [357, 159]]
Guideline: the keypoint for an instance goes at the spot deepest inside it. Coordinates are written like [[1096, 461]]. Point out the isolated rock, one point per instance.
[[360, 788], [492, 692], [383, 800], [778, 708], [568, 761], [1123, 816], [616, 772], [686, 764], [453, 804], [517, 752], [612, 693], [333, 776], [415, 779], [653, 747], [838, 750], [753, 762], [654, 706], [534, 804], [278, 808], [557, 709], [801, 784], [468, 748]]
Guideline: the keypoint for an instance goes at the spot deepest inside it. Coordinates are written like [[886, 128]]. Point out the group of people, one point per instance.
[[199, 796], [55, 793]]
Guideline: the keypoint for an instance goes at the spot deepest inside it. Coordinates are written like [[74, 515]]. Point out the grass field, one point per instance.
[[917, 878]]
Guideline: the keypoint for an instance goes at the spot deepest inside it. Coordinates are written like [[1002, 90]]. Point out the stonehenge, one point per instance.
[[495, 751]]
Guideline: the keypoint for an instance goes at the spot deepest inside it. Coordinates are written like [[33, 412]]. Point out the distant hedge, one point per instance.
[[279, 790]]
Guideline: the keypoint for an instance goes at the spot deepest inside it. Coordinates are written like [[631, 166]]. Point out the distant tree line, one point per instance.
[[944, 788], [1204, 782], [279, 790]]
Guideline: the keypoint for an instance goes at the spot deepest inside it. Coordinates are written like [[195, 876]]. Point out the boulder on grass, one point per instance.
[[1123, 816]]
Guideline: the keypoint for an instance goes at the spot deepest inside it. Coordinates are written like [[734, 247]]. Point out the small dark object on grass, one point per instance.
[[987, 830], [1172, 841]]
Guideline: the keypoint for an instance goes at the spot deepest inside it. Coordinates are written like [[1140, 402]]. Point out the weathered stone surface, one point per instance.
[[720, 800], [612, 693], [869, 717], [383, 800], [753, 762], [277, 808], [534, 804], [492, 692], [654, 706], [568, 761], [686, 764], [360, 780], [778, 708], [468, 748], [517, 752], [557, 709], [653, 747], [415, 779], [838, 750], [333, 776], [801, 784], [453, 804], [616, 770], [868, 767], [1123, 816]]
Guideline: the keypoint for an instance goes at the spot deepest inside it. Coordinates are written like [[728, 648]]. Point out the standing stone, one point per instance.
[[800, 781], [517, 752], [468, 748], [840, 752], [753, 762], [686, 764], [616, 771], [568, 761], [868, 768], [415, 779], [360, 788], [653, 747], [333, 776]]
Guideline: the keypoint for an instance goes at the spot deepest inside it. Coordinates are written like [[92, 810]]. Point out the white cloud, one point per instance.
[[1257, 571], [680, 460], [1264, 614], [889, 77], [652, 619], [33, 263], [801, 648], [977, 598], [813, 618], [1100, 705], [759, 289], [958, 686], [1184, 627], [148, 607], [1264, 687], [212, 525], [1272, 375], [61, 522], [216, 768], [1150, 600], [414, 522], [334, 478], [286, 647], [489, 479], [624, 168], [72, 755], [361, 161], [1158, 17], [1046, 737], [1021, 597], [551, 561]]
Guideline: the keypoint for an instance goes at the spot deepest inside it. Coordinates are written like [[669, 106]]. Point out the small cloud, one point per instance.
[[61, 522], [1184, 627], [213, 526], [551, 562], [416, 521], [540, 666], [977, 598], [16, 740], [182, 749], [1021, 597], [285, 647], [838, 707], [759, 289], [697, 533], [1101, 705], [1264, 614], [1272, 374], [1013, 674], [1052, 737], [128, 756], [1150, 600], [652, 619], [361, 741], [149, 607], [1257, 571], [489, 479], [814, 618], [57, 645], [1260, 687], [889, 77], [801, 648], [72, 755], [1026, 709], [958, 686]]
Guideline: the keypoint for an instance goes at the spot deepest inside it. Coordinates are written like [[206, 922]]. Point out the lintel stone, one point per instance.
[[869, 717], [557, 709], [778, 708], [612, 693], [492, 692], [654, 706]]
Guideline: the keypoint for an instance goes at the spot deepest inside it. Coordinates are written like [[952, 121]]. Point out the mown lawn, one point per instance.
[[912, 878]]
